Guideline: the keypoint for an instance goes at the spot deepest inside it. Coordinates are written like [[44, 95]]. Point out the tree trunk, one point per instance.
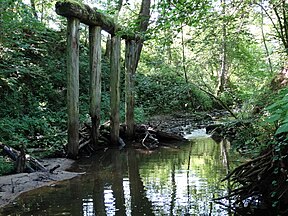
[[282, 30], [73, 85], [265, 44], [143, 21], [183, 55], [33, 6], [222, 75]]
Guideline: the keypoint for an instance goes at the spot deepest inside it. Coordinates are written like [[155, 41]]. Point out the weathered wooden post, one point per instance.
[[95, 80], [130, 56], [115, 89], [73, 85]]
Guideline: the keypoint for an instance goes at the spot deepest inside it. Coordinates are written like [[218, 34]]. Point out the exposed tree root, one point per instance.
[[260, 185]]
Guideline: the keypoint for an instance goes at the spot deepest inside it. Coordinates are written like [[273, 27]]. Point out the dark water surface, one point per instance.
[[167, 181]]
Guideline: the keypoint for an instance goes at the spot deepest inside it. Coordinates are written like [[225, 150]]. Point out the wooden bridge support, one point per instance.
[[95, 80], [130, 56], [73, 85], [115, 89], [96, 21]]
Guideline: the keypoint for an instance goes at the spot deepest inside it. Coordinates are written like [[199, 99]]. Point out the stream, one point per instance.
[[167, 181]]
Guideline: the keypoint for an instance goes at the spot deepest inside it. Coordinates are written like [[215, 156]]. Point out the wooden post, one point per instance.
[[115, 89], [73, 86], [95, 80], [130, 56]]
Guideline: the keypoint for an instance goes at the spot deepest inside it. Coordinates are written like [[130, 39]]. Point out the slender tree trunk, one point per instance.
[[42, 10], [183, 55], [281, 16], [265, 44], [222, 76], [33, 6], [143, 21]]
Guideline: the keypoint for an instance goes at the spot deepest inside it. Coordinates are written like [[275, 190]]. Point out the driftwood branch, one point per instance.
[[54, 168]]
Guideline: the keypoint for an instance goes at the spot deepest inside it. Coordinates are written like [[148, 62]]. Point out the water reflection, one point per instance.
[[164, 182]]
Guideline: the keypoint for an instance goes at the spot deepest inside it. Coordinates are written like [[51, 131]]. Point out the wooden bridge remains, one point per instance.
[[76, 14]]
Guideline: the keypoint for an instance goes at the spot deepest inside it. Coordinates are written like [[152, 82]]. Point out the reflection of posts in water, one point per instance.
[[140, 205], [188, 174], [173, 193], [99, 184], [117, 183], [98, 196], [225, 145], [75, 192]]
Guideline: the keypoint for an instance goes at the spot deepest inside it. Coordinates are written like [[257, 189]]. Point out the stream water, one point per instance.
[[168, 181]]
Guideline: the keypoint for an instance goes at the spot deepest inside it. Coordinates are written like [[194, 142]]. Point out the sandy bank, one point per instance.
[[11, 186]]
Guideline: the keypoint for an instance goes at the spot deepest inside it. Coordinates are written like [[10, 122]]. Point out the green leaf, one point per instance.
[[273, 118], [282, 129], [272, 106]]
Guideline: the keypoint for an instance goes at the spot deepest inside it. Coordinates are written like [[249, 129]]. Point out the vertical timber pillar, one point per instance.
[[95, 80], [73, 85], [115, 89], [130, 56]]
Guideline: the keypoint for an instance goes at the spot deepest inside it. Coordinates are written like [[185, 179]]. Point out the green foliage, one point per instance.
[[6, 166], [267, 114], [166, 93], [277, 113]]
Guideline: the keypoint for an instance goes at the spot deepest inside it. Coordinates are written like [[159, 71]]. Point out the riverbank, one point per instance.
[[11, 186]]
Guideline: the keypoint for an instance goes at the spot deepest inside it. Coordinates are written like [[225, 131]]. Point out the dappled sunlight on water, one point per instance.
[[167, 181]]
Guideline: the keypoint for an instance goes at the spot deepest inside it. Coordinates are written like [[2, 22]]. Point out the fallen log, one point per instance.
[[166, 136], [24, 162]]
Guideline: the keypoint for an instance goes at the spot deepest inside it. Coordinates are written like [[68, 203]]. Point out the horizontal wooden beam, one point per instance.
[[92, 17], [86, 15]]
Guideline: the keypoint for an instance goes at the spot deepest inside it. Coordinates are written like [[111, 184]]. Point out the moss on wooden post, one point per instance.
[[130, 57], [73, 86], [115, 89], [95, 80]]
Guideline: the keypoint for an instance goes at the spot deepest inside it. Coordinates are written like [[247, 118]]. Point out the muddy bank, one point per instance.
[[11, 186]]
